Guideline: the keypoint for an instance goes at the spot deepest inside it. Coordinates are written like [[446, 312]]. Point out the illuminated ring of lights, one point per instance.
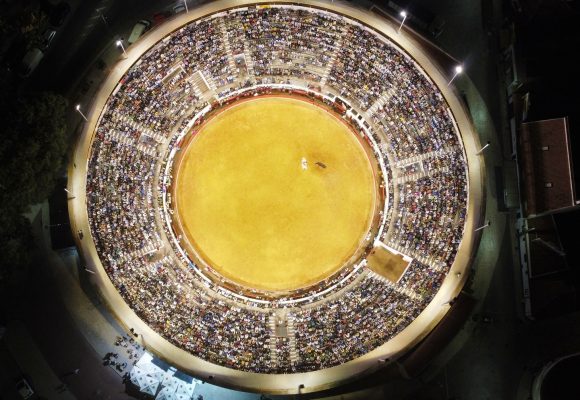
[[287, 382]]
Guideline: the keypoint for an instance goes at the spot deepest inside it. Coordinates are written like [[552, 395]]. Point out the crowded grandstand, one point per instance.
[[359, 74]]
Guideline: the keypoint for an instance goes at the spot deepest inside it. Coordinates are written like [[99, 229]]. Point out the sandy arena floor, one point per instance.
[[257, 207]]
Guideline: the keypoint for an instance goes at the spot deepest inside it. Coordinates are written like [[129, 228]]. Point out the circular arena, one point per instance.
[[278, 196]]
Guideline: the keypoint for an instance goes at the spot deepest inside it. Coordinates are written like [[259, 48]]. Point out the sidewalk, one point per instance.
[[66, 327], [33, 364], [95, 325]]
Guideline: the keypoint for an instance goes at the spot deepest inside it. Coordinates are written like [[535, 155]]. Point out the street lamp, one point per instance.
[[120, 44], [450, 302], [483, 226], [72, 196], [78, 108], [483, 148], [458, 70], [404, 15]]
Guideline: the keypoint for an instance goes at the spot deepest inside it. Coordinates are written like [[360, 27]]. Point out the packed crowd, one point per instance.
[[158, 90], [367, 67], [422, 279], [351, 325], [418, 121], [285, 41], [409, 118], [431, 212], [163, 295], [120, 199]]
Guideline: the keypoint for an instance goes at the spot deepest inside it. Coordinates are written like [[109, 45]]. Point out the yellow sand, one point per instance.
[[387, 264], [254, 214]]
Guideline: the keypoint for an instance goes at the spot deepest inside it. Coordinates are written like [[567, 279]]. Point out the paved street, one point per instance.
[[39, 305], [88, 36]]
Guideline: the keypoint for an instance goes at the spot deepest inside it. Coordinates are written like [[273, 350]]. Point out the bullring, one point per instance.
[[396, 100]]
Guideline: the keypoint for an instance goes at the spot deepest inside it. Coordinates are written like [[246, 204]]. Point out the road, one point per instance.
[[92, 27]]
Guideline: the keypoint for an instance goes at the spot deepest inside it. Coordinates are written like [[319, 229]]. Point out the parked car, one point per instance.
[[139, 28], [30, 61], [47, 37], [59, 13], [24, 390], [178, 8]]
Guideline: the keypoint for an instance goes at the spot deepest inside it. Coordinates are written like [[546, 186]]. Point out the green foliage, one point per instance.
[[33, 140], [34, 143], [33, 146], [15, 244], [26, 20]]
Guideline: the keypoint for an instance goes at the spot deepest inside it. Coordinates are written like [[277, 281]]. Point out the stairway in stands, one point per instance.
[[203, 86], [380, 102], [282, 342], [142, 129], [249, 60], [229, 52], [333, 57], [292, 340], [397, 288]]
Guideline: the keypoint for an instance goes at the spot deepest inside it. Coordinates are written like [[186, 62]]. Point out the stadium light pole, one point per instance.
[[78, 108], [488, 223], [458, 70], [450, 302], [120, 44], [404, 15], [483, 148]]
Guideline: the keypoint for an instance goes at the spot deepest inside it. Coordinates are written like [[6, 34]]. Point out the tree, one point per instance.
[[15, 244], [34, 141], [33, 145]]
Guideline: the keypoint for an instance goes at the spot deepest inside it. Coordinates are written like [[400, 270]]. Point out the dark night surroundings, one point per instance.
[[520, 60]]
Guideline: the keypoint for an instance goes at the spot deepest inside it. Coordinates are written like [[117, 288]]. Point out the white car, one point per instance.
[[139, 28], [178, 8], [30, 61]]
